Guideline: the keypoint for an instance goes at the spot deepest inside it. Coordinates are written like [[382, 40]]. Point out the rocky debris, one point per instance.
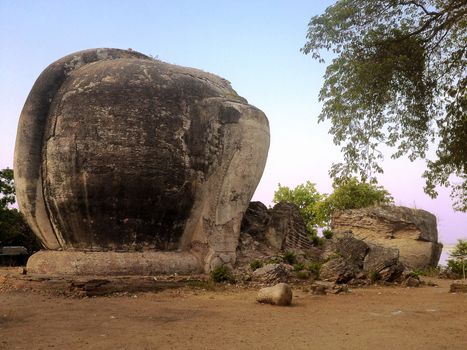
[[412, 281], [256, 220], [286, 229], [337, 270], [384, 262], [412, 231], [345, 255], [147, 156], [351, 260], [458, 288], [323, 288], [280, 294], [271, 273], [250, 249]]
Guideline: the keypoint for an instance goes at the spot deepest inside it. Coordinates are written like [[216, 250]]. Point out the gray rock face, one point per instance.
[[348, 257], [286, 229], [256, 220], [413, 232], [383, 261], [117, 151], [271, 273]]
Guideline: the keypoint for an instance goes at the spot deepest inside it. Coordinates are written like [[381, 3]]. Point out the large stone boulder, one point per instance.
[[119, 152], [412, 231]]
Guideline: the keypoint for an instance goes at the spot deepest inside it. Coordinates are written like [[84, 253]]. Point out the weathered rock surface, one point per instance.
[[348, 258], [271, 273], [458, 288], [384, 262], [323, 288], [412, 231], [117, 151], [286, 229], [280, 294], [256, 220]]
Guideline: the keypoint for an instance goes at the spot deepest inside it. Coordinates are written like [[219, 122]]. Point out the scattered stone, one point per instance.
[[271, 273], [323, 287], [412, 281], [458, 288], [412, 231], [280, 294]]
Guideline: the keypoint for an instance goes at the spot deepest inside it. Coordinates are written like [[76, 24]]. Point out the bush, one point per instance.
[[314, 268], [289, 257], [222, 274], [327, 233], [256, 264], [374, 276], [298, 267], [458, 256], [303, 275], [317, 241]]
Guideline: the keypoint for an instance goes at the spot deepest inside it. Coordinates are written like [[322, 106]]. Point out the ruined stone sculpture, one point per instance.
[[126, 164]]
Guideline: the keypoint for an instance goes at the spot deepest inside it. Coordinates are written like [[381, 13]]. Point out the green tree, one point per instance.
[[350, 193], [13, 228], [317, 209], [458, 257], [398, 79], [306, 198]]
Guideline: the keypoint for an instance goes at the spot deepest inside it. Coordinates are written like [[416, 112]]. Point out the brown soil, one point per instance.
[[228, 318]]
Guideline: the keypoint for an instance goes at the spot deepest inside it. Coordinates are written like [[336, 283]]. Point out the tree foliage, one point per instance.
[[307, 199], [317, 209], [13, 228], [398, 79], [458, 258], [350, 193]]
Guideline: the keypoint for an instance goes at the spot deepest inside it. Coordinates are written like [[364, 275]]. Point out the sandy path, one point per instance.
[[372, 318]]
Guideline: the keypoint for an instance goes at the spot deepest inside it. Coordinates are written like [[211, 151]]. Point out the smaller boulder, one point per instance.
[[280, 294], [458, 288], [271, 273], [323, 288], [337, 270], [383, 261], [412, 281]]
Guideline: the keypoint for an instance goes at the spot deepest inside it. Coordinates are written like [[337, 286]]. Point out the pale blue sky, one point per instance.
[[254, 44]]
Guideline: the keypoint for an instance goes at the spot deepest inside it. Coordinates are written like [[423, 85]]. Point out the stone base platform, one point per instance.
[[76, 263]]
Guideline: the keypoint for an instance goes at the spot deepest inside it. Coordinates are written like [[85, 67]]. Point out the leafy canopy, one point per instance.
[[307, 199], [13, 228], [458, 258], [317, 209], [398, 79], [349, 193]]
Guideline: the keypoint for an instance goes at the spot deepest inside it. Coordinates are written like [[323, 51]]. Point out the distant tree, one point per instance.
[[349, 193], [13, 228], [458, 257], [398, 79], [306, 198], [317, 209]]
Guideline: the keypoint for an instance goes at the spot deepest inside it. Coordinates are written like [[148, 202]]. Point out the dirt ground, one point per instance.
[[228, 318]]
